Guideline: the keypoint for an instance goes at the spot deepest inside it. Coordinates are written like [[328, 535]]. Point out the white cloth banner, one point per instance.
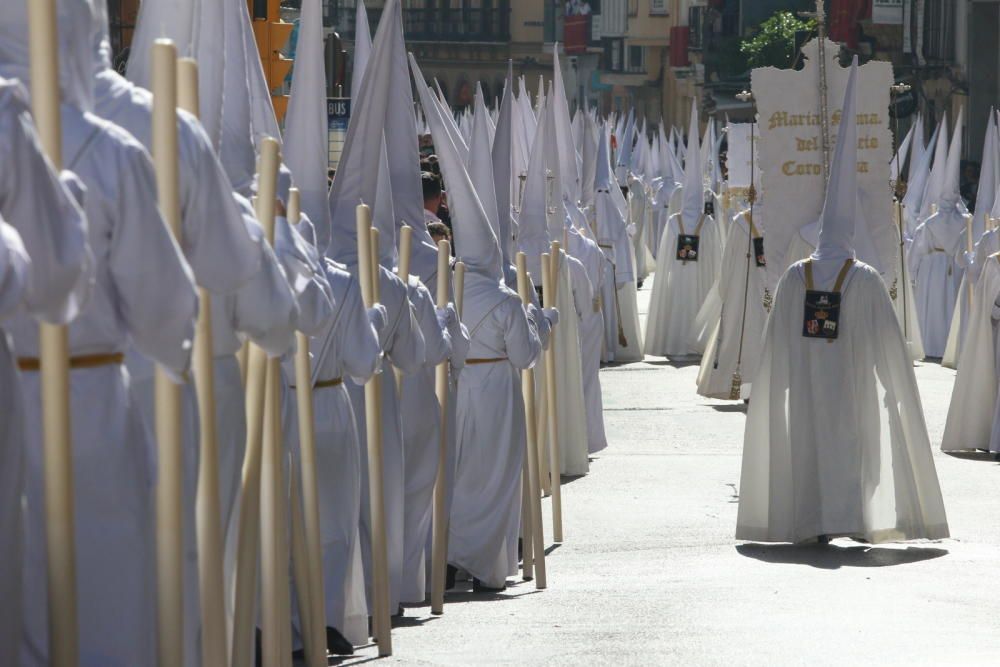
[[791, 153]]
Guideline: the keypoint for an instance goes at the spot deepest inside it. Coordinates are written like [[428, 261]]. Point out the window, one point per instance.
[[636, 59], [939, 30], [658, 8], [696, 21]]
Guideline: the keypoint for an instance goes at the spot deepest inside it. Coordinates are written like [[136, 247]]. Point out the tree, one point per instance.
[[774, 43]]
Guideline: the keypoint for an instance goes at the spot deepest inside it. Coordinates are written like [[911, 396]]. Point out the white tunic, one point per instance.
[[835, 441], [737, 322], [934, 272], [348, 347], [972, 418], [486, 512], [44, 222], [403, 345], [421, 442], [589, 263], [988, 244], [143, 294], [680, 289]]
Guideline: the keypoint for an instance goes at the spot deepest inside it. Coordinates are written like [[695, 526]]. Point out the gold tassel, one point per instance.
[[894, 290], [622, 340], [734, 391], [768, 300]]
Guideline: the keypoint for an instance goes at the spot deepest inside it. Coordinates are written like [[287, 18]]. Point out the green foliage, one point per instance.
[[774, 42]]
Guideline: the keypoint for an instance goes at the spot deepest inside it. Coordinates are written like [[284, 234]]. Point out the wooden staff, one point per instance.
[[313, 612], [439, 544], [403, 272], [208, 521], [535, 541], [170, 467], [459, 287], [368, 276], [57, 435], [256, 382], [549, 282], [969, 247]]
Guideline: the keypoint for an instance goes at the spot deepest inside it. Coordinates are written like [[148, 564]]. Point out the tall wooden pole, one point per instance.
[[550, 272], [170, 468], [57, 433], [439, 544], [368, 276], [314, 622], [208, 519], [256, 379], [537, 536], [403, 273], [275, 620]]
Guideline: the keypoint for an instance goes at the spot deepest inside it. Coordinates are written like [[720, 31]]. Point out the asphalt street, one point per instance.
[[650, 574]]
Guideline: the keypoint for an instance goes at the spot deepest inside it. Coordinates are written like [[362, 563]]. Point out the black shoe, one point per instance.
[[520, 549], [337, 644], [480, 587], [399, 612], [823, 539], [299, 655], [258, 642], [638, 284], [449, 579]]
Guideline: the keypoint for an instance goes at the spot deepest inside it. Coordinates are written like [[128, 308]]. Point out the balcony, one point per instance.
[[576, 34], [434, 24]]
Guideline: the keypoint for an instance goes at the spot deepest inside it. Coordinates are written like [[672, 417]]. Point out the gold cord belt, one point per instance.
[[335, 382], [31, 364]]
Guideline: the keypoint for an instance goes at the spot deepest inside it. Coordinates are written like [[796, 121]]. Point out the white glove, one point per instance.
[[378, 317], [552, 315], [631, 229], [74, 185], [446, 317], [542, 324]]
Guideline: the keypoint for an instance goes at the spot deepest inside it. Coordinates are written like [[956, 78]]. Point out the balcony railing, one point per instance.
[[435, 24]]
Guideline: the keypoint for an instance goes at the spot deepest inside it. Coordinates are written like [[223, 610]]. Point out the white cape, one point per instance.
[[835, 441], [972, 422]]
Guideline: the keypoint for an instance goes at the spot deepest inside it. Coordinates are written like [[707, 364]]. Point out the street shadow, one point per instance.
[[728, 407], [345, 660], [977, 455], [680, 362], [552, 547], [569, 479], [834, 557], [411, 621], [469, 596]]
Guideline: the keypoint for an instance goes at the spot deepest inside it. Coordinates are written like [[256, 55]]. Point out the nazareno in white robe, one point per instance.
[[590, 261], [403, 344], [347, 347], [835, 440], [988, 244], [44, 273], [421, 442], [737, 321], [571, 301], [936, 275], [972, 417], [680, 289], [143, 294], [486, 510]]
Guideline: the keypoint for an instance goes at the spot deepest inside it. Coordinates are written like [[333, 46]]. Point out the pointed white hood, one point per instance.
[[916, 187], [569, 167], [936, 179], [384, 212], [950, 192], [481, 163], [76, 71], [357, 179], [986, 194], [502, 154], [306, 129], [475, 243], [532, 225], [836, 236], [362, 48], [899, 159], [694, 198]]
